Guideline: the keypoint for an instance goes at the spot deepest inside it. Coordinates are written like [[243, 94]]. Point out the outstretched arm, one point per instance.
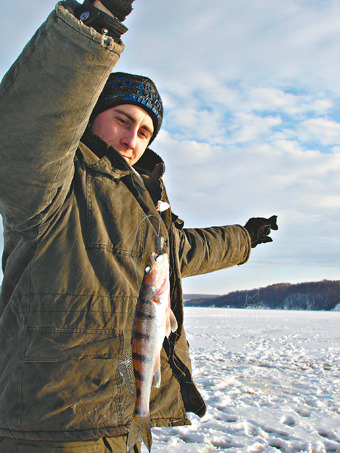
[[204, 250]]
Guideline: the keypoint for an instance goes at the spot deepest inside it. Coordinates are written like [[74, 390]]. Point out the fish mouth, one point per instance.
[[159, 258], [155, 258], [155, 263]]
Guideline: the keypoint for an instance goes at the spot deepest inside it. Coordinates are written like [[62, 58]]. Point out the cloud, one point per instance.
[[249, 178], [205, 125], [320, 130], [276, 99], [263, 42], [251, 92], [19, 22], [250, 127]]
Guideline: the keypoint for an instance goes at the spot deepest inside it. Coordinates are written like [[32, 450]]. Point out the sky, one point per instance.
[[251, 91]]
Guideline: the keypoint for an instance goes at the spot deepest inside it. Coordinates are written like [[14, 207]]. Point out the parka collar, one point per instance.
[[145, 165]]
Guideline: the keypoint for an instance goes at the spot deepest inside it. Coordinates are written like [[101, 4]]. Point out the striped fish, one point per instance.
[[153, 321]]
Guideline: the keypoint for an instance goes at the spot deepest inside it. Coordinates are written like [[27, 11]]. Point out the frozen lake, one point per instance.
[[270, 380]]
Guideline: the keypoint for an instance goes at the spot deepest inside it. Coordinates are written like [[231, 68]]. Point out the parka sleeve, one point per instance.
[[46, 99], [204, 250]]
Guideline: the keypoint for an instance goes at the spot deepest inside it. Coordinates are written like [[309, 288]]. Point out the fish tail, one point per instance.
[[140, 430]]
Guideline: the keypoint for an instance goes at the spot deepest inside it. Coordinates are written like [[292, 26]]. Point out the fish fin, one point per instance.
[[171, 322], [157, 373], [140, 430], [125, 369], [167, 326]]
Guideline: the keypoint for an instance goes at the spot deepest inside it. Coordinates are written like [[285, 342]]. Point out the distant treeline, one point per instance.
[[323, 295]]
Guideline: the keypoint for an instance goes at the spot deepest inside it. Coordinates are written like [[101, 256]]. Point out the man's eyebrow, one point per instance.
[[121, 112], [131, 118]]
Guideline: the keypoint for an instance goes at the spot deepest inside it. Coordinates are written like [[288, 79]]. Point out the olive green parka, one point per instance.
[[79, 225]]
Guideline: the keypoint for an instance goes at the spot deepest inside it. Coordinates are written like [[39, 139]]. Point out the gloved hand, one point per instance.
[[119, 8], [152, 183], [259, 229]]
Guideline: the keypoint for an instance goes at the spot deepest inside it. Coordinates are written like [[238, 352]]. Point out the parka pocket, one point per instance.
[[49, 344], [91, 446], [114, 217], [70, 380]]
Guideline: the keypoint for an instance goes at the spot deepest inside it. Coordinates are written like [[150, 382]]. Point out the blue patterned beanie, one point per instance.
[[122, 88]]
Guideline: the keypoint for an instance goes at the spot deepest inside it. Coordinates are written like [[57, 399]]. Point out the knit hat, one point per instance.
[[122, 88]]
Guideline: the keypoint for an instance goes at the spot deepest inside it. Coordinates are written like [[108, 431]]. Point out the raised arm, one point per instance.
[[46, 99]]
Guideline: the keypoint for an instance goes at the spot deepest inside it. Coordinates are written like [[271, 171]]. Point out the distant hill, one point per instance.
[[199, 296], [323, 295]]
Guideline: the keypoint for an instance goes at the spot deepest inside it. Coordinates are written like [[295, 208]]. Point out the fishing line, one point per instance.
[[135, 239], [159, 246], [167, 361], [252, 300]]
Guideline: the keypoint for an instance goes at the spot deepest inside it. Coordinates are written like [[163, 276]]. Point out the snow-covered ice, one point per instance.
[[270, 380]]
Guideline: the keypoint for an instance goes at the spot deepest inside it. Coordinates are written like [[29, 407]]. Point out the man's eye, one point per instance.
[[144, 134], [121, 120]]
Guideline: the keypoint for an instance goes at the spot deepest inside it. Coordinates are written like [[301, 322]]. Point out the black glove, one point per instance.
[[119, 8], [100, 21], [259, 229], [152, 183]]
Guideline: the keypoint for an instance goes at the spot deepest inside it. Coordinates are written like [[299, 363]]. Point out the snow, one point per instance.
[[270, 380]]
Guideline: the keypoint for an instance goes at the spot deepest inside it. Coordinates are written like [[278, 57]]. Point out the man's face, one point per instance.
[[128, 128]]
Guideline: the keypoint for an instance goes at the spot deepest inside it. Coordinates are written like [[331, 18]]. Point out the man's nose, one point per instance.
[[130, 137]]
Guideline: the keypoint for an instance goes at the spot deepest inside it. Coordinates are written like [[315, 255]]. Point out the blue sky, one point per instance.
[[252, 121]]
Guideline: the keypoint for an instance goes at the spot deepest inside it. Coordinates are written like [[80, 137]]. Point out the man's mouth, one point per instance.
[[125, 157]]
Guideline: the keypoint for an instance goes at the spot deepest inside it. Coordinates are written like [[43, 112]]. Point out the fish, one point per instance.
[[153, 321]]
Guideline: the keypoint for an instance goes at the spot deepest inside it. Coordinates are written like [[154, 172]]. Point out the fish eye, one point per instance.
[[147, 270]]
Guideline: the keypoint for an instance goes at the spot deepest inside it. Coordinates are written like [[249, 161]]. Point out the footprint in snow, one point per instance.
[[328, 435], [288, 420], [257, 448], [303, 412], [230, 418], [275, 432]]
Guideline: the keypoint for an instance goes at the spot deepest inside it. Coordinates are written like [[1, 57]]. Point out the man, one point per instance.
[[84, 206]]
